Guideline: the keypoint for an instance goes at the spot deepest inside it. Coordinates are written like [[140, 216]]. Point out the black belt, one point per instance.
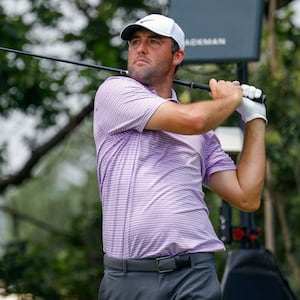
[[161, 265]]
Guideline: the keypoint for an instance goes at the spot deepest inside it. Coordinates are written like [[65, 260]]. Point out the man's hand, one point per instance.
[[249, 109], [224, 89], [251, 92]]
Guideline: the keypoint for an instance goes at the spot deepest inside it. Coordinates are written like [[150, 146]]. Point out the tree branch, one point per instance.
[[40, 151], [41, 224]]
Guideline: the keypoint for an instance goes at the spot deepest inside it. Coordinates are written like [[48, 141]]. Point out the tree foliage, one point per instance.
[[53, 245], [68, 268]]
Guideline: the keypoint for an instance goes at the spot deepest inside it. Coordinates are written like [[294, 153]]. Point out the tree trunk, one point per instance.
[[278, 200], [271, 197], [271, 35], [269, 211]]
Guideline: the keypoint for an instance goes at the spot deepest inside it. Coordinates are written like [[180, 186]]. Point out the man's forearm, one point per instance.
[[251, 166]]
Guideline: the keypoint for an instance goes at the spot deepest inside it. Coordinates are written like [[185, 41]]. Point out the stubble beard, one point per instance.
[[145, 75]]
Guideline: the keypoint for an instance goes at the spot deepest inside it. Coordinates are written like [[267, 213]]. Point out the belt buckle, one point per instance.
[[167, 270]]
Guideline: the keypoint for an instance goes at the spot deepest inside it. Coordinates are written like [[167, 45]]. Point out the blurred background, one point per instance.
[[50, 212]]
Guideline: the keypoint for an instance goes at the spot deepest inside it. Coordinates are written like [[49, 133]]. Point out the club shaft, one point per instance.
[[73, 62], [193, 85]]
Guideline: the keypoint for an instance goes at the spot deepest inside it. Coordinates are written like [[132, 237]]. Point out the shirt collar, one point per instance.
[[173, 95]]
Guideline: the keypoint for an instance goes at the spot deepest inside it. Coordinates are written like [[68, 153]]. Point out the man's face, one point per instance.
[[150, 58]]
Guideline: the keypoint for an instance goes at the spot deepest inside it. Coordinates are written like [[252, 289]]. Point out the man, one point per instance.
[[153, 155]]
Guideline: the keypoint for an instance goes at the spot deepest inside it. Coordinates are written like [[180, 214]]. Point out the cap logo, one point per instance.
[[143, 21]]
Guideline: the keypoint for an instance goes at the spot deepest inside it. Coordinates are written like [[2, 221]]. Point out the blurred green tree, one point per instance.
[[53, 243]]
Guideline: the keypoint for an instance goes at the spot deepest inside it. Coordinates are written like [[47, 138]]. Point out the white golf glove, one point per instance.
[[249, 109]]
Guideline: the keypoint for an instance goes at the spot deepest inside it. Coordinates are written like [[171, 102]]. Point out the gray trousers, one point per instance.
[[196, 282]]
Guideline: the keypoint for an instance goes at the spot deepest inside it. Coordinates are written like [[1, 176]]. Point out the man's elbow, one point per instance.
[[250, 205], [198, 124]]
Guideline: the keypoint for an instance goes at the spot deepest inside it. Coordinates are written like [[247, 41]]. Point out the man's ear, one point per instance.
[[178, 57]]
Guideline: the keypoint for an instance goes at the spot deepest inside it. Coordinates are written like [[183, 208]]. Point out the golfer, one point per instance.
[[154, 155]]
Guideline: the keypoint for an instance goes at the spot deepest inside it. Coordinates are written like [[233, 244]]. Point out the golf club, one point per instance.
[[193, 85]]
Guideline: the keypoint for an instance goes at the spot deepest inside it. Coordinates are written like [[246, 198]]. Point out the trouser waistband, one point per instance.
[[161, 264]]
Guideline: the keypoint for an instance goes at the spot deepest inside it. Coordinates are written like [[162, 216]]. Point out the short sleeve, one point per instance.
[[122, 104], [216, 159]]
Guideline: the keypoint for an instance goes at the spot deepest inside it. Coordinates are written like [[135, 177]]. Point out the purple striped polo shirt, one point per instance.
[[150, 182]]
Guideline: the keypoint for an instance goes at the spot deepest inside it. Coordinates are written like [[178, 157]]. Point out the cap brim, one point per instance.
[[129, 30]]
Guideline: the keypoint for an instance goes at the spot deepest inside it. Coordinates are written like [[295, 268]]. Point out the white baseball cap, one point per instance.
[[159, 24]]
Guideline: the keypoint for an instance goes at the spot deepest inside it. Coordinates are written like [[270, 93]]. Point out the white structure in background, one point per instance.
[[231, 138], [10, 297]]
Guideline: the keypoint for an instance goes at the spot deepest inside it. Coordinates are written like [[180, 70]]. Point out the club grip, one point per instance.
[[262, 99]]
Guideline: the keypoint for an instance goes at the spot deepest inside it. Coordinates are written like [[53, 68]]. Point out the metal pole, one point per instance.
[[247, 219]]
